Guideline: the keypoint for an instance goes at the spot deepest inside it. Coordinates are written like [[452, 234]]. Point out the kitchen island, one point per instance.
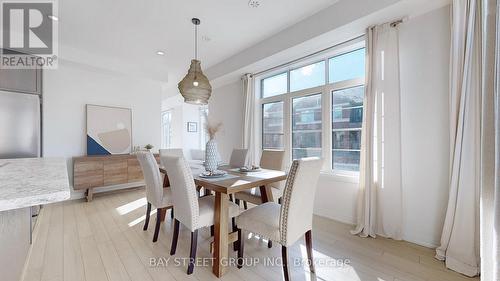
[[25, 183]]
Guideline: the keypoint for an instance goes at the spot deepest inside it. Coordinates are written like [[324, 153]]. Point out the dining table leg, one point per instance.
[[266, 194], [221, 237]]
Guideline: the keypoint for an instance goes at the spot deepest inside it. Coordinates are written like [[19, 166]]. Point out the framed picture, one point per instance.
[[192, 127], [109, 130]]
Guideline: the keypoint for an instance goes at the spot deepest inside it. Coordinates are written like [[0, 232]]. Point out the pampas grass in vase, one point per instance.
[[211, 151]]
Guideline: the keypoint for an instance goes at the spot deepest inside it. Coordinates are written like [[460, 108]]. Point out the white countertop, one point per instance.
[[32, 181]]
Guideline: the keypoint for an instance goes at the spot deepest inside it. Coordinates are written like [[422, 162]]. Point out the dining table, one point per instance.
[[232, 182]]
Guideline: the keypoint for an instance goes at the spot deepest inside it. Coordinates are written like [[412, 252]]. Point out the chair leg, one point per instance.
[[231, 198], [241, 247], [284, 256], [269, 244], [172, 213], [280, 200], [237, 202], [245, 206], [146, 222], [310, 251], [157, 227], [192, 256], [212, 230], [175, 237], [235, 243]]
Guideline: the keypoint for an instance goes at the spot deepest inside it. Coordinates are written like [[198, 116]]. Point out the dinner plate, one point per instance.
[[218, 174], [243, 170]]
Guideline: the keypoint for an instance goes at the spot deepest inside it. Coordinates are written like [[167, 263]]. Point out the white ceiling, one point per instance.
[[127, 33]]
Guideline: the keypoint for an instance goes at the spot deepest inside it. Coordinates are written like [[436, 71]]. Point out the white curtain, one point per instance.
[[249, 141], [380, 196], [460, 237], [490, 142]]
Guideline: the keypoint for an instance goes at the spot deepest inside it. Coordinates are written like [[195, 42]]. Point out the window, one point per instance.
[[272, 126], [308, 76], [347, 66], [166, 129], [202, 129], [274, 85], [347, 117], [316, 110], [306, 126]]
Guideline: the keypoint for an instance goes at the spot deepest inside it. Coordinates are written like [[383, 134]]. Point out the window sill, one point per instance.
[[342, 177]]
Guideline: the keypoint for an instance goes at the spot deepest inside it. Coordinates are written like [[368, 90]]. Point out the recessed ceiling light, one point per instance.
[[160, 53], [253, 3], [205, 38], [52, 17]]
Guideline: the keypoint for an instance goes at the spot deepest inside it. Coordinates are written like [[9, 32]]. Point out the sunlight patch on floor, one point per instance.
[[140, 219], [328, 267], [129, 207]]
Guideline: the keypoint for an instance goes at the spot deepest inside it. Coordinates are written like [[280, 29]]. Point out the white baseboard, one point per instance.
[[79, 194]]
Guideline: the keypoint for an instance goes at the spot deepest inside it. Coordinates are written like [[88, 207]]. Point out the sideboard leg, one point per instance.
[[90, 194]]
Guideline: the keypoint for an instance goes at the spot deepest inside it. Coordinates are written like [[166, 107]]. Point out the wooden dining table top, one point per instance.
[[236, 181]]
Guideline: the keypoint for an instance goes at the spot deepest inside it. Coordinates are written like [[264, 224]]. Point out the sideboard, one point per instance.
[[90, 172]]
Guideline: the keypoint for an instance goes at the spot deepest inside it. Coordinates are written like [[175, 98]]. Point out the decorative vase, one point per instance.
[[211, 156]]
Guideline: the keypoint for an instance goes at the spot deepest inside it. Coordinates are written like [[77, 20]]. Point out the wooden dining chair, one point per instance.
[[238, 158], [288, 222], [270, 159], [190, 210], [156, 195]]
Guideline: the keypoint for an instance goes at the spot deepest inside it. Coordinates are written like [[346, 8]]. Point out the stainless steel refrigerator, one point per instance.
[[20, 125], [20, 131]]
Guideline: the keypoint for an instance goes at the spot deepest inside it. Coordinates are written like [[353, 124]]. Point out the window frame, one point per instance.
[[325, 91], [262, 124], [203, 135], [164, 143], [309, 94], [261, 83], [289, 88]]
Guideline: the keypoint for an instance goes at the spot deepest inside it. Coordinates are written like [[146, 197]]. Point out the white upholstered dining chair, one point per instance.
[[190, 210], [238, 158], [286, 223], [178, 152], [156, 195], [270, 159]]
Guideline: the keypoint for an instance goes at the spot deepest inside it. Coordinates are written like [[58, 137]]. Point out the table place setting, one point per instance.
[[249, 169]]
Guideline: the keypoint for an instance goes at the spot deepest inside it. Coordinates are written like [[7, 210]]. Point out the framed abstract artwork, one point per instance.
[[192, 127], [109, 130]]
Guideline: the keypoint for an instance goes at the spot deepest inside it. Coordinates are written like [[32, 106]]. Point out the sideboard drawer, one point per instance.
[[134, 171], [88, 174], [115, 172]]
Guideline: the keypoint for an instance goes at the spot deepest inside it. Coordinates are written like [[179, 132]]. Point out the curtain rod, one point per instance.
[[305, 57], [392, 24]]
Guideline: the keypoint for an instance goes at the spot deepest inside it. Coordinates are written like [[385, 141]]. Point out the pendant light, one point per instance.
[[195, 87]]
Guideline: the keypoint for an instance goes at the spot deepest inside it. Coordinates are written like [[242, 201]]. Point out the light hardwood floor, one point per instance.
[[104, 240]]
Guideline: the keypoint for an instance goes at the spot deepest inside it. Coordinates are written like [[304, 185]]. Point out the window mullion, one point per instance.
[[327, 132], [287, 123]]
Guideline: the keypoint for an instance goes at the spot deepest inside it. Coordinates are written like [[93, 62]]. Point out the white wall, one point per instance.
[[424, 60], [424, 49], [227, 105], [69, 88]]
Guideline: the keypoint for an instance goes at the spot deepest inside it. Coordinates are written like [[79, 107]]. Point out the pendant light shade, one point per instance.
[[195, 87]]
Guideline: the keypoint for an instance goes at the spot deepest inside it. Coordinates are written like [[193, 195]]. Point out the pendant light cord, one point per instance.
[[196, 42]]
